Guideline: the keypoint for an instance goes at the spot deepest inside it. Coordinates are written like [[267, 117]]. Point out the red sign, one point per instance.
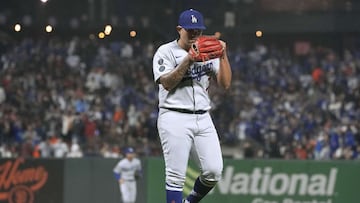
[[18, 184]]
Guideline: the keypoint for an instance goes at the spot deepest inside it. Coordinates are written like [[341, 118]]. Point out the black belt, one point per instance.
[[186, 111]]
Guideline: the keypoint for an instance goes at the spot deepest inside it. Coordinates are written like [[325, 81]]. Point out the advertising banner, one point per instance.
[[272, 181], [31, 181]]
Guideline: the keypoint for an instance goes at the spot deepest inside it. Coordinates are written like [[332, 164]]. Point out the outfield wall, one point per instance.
[[273, 181], [90, 180]]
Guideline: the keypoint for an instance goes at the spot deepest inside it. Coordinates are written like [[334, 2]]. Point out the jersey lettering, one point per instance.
[[199, 70]]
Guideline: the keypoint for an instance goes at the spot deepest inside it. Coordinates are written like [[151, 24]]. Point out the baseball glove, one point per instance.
[[206, 48]]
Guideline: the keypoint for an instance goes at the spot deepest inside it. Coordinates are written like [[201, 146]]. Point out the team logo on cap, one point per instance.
[[193, 19]]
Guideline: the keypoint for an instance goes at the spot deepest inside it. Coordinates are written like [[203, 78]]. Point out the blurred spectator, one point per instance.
[[5, 151], [300, 152], [26, 149], [45, 148], [249, 150], [322, 148], [2, 95], [75, 150], [60, 148]]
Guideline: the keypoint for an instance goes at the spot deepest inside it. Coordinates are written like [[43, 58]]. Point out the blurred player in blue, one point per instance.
[[126, 172]]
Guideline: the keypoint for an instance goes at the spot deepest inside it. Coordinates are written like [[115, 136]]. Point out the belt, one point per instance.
[[186, 110]]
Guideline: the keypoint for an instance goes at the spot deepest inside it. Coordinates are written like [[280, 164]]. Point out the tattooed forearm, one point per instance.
[[172, 79]]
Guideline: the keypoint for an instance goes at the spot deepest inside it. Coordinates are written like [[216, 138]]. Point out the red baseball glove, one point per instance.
[[206, 48]]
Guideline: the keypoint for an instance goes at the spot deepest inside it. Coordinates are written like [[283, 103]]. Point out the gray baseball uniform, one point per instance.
[[126, 169], [184, 122]]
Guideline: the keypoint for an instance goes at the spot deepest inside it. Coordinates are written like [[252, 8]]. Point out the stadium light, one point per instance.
[[108, 29], [48, 28], [133, 33], [17, 27], [101, 35], [259, 33]]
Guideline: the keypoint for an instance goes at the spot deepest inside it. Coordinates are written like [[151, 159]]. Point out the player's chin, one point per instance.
[[189, 43]]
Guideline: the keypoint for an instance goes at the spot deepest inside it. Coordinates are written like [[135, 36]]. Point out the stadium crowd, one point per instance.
[[87, 97]]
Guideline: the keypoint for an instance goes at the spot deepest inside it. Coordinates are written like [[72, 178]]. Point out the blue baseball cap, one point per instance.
[[129, 150], [192, 19]]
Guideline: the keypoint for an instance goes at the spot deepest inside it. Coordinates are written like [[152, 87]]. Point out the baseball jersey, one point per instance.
[[127, 168], [192, 92]]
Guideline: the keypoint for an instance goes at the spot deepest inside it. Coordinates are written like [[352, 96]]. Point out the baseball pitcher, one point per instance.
[[183, 69]]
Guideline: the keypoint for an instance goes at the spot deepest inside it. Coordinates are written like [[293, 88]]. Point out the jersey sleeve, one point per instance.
[[139, 168], [117, 168], [162, 63], [216, 63]]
